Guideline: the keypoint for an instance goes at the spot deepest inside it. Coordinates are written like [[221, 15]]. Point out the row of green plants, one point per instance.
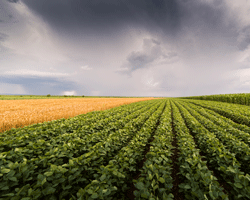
[[240, 109], [57, 129], [57, 171], [79, 140], [219, 157], [155, 181], [240, 149], [112, 180], [198, 181], [241, 98], [97, 155], [242, 131], [104, 152], [220, 108]]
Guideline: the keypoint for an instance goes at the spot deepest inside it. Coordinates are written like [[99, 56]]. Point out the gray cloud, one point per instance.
[[40, 85], [167, 17], [244, 38], [167, 47], [152, 51], [3, 49], [13, 1], [3, 37], [107, 16]]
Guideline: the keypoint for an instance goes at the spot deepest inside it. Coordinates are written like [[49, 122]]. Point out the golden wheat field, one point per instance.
[[20, 113]]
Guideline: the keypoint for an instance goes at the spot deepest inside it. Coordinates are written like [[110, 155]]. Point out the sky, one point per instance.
[[164, 48]]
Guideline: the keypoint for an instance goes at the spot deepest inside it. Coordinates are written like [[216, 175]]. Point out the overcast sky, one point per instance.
[[124, 48]]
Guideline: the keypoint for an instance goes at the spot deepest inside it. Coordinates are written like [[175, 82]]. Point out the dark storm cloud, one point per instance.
[[3, 37], [152, 50], [198, 12], [99, 15], [26, 80], [244, 38], [13, 1], [3, 49], [200, 34], [35, 85]]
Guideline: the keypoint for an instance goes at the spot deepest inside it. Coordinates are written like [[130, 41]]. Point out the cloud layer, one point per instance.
[[140, 48]]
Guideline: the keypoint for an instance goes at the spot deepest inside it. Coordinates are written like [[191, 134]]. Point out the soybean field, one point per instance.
[[160, 149]]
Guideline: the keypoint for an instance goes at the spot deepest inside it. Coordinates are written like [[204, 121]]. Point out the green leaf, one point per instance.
[[238, 185], [88, 154], [43, 181], [104, 191], [5, 188], [95, 182], [150, 177], [162, 180], [49, 190], [5, 170], [90, 191], [103, 177], [155, 187], [9, 195], [71, 162], [67, 187], [13, 179], [144, 195], [94, 196], [140, 185], [30, 191], [48, 173], [187, 187]]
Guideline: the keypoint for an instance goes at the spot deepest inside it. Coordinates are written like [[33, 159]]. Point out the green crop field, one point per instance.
[[161, 149], [241, 98]]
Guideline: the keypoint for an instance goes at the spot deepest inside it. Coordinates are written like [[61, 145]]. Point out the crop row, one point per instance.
[[219, 157], [111, 180], [242, 98], [231, 139], [48, 140], [240, 109], [220, 108], [198, 181], [155, 181], [130, 149], [46, 130], [239, 130], [46, 174]]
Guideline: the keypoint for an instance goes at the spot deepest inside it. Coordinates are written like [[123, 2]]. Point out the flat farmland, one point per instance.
[[158, 149], [20, 113]]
